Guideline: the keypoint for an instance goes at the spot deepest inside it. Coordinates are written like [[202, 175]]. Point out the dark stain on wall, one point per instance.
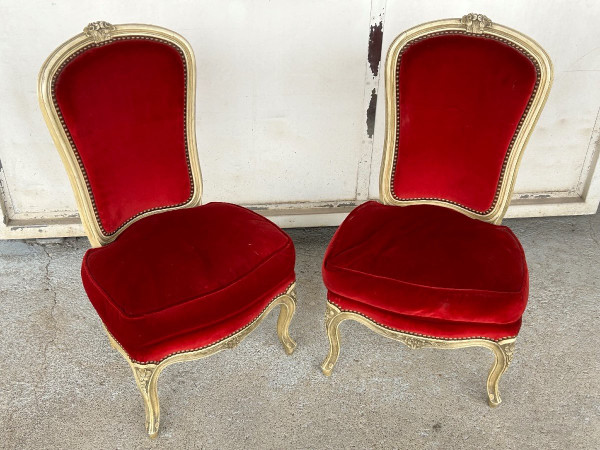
[[371, 111], [375, 39]]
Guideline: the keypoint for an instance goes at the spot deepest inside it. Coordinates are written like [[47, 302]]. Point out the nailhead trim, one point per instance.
[[76, 152], [419, 334], [209, 345], [512, 141]]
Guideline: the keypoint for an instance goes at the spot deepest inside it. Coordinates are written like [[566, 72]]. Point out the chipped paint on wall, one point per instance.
[[372, 79], [371, 112], [375, 41]]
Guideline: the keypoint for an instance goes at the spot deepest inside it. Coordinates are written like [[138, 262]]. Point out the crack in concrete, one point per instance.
[[592, 231], [53, 325]]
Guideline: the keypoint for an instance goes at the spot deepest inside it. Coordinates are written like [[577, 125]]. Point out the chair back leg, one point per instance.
[[333, 318], [286, 313]]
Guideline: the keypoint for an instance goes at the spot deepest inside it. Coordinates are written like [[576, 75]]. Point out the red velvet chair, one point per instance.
[[171, 281], [429, 265]]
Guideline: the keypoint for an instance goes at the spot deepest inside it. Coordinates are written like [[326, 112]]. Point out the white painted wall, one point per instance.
[[283, 88]]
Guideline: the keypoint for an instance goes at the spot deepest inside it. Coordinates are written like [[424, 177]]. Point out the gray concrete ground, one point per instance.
[[62, 386]]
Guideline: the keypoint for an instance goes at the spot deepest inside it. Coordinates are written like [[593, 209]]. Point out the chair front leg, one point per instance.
[[146, 377], [333, 318], [286, 312], [503, 353]]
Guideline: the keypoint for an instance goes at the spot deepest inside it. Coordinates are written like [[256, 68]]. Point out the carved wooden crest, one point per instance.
[[476, 23], [99, 31]]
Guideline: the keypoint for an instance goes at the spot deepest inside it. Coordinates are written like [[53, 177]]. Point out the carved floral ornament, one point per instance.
[[144, 375], [99, 31], [476, 23], [509, 350]]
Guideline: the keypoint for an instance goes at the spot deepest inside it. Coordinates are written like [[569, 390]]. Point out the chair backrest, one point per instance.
[[462, 98], [119, 103]]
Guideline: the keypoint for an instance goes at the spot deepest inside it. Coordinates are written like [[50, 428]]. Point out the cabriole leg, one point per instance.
[[503, 353], [286, 312], [146, 377], [333, 333]]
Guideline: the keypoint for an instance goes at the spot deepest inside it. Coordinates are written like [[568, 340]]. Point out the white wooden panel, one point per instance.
[[283, 88], [280, 101]]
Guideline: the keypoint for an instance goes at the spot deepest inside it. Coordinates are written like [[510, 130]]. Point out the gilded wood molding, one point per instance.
[[502, 349], [480, 25]]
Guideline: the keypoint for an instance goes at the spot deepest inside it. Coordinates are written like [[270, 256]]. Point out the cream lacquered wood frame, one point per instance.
[[478, 24], [98, 33], [146, 374]]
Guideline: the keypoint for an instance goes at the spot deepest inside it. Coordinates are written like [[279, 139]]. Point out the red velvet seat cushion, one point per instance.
[[427, 262], [186, 278], [444, 329]]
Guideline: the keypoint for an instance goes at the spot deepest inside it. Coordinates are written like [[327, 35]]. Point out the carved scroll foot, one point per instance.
[[332, 324], [286, 312], [146, 377], [503, 353]]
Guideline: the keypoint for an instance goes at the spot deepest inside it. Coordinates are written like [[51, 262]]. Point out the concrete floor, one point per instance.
[[62, 386]]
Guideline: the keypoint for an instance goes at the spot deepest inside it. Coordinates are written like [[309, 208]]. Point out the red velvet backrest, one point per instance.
[[122, 104], [460, 100]]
